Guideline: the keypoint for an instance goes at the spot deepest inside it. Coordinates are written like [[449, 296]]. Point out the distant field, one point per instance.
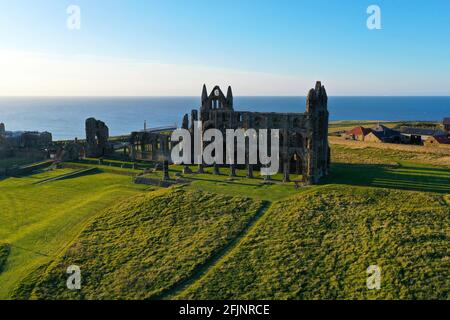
[[347, 151]]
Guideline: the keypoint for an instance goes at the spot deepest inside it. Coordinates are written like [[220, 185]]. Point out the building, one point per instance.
[[438, 141], [97, 135], [150, 145], [357, 133], [28, 139], [381, 133], [36, 139], [24, 141], [418, 135], [446, 124], [303, 136]]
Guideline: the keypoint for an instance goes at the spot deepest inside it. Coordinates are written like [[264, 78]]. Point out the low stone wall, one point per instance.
[[28, 169], [71, 175], [158, 182], [103, 168]]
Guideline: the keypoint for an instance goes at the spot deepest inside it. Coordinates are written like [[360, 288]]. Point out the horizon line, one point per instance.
[[236, 96]]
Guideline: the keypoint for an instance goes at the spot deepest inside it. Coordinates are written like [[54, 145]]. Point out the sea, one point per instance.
[[64, 116]]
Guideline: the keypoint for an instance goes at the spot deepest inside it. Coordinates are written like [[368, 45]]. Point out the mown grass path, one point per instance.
[[203, 269], [222, 254]]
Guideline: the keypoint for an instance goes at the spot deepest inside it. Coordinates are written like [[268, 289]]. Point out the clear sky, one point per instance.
[[171, 47]]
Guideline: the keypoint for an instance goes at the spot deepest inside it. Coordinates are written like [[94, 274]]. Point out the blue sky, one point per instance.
[[277, 45]]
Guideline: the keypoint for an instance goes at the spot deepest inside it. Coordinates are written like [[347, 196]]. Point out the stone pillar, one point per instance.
[[250, 171], [267, 178], [187, 170], [166, 170], [232, 170], [286, 172], [309, 177], [216, 170], [133, 151]]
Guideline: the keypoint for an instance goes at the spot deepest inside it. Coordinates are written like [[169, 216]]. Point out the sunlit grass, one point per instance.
[[318, 245], [39, 220]]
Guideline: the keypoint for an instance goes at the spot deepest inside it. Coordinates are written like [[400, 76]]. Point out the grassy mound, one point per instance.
[[4, 253], [145, 245], [320, 244]]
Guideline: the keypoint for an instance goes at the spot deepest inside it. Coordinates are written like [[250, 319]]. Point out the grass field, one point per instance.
[[145, 245], [4, 253], [222, 237], [318, 246], [38, 221]]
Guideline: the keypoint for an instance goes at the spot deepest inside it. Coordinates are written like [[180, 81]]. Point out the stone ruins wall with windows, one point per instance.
[[303, 136], [304, 146]]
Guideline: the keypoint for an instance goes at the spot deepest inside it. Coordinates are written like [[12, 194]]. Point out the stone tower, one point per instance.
[[97, 135], [317, 109]]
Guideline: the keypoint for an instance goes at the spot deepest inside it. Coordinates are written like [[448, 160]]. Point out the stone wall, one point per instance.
[[97, 135], [303, 136]]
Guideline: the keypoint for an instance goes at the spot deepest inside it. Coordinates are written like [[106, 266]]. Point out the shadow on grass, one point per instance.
[[224, 181], [404, 177], [72, 175]]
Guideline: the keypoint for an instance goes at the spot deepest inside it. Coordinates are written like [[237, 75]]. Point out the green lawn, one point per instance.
[[215, 238], [318, 245], [38, 221], [240, 185], [404, 176], [4, 253], [145, 245]]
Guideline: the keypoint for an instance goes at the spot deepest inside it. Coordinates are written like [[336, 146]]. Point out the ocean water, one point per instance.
[[64, 117]]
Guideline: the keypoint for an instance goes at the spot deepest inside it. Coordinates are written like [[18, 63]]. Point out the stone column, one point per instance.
[[216, 170], [286, 172], [166, 170], [297, 165], [250, 171], [133, 152], [187, 170], [232, 170], [267, 177], [309, 177]]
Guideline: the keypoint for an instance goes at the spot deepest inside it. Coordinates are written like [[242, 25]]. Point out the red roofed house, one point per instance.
[[358, 133]]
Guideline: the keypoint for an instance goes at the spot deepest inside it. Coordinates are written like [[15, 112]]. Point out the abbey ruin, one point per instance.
[[303, 142], [303, 136]]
